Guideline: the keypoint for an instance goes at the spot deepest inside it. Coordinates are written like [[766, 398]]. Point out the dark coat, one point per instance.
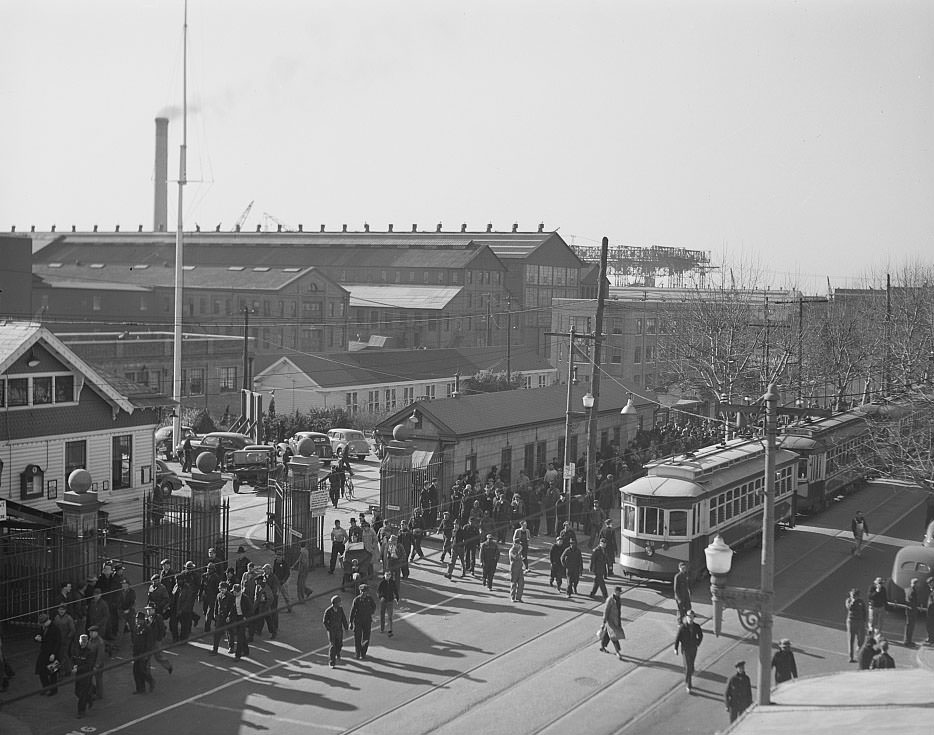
[[785, 667], [362, 609], [489, 554], [49, 645], [689, 636], [335, 621], [738, 692], [572, 560], [598, 560]]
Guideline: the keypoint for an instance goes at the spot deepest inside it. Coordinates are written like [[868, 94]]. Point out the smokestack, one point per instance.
[[160, 214]]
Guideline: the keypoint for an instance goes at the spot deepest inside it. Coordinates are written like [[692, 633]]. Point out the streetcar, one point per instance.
[[671, 514], [833, 457]]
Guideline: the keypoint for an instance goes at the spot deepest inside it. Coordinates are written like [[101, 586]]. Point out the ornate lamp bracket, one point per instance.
[[747, 602]]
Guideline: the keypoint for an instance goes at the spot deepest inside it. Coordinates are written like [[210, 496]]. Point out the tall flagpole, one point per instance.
[[180, 246]]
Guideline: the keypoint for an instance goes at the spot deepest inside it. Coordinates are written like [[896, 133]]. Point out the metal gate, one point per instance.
[[399, 490], [174, 530], [295, 517], [33, 563]]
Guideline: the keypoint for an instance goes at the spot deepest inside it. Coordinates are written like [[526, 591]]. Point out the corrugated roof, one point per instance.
[[392, 366], [401, 297], [125, 277], [327, 249]]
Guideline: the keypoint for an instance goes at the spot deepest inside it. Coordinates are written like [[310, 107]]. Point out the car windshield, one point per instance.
[[353, 434]]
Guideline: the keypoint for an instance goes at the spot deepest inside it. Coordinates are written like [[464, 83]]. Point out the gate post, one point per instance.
[[301, 522], [79, 509], [395, 477], [205, 530]]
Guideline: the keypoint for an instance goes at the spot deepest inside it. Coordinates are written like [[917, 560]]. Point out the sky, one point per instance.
[[793, 134]]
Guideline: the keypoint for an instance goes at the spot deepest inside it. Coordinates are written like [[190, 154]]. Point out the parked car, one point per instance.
[[910, 562], [929, 536], [221, 443], [351, 441], [251, 466], [167, 480], [322, 444], [165, 441]]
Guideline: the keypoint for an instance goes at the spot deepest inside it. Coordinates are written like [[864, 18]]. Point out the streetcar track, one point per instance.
[[597, 692]]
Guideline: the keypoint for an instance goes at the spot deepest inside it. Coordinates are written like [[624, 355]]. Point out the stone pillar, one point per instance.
[[80, 524], [303, 504], [206, 516], [395, 478]]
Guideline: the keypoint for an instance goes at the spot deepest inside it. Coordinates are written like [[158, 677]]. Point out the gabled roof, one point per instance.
[[17, 338], [488, 413], [401, 297], [323, 249], [368, 367]]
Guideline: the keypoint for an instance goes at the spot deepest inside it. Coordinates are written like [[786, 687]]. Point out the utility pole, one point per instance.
[[594, 410], [246, 348], [767, 564], [569, 412], [508, 339], [802, 300]]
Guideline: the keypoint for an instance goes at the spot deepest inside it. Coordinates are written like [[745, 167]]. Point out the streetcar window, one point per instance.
[[736, 508], [677, 523], [629, 518], [803, 469], [651, 521]]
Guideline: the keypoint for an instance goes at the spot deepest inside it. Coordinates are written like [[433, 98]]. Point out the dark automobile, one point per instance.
[[221, 443], [164, 440], [166, 479], [321, 441]]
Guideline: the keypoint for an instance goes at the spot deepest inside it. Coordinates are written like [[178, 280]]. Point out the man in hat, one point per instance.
[[335, 623], [142, 647], [158, 596], [682, 589], [49, 641], [882, 660], [220, 615], [612, 629], [167, 578], [156, 623], [860, 528], [608, 533], [783, 662], [186, 592], [573, 562], [240, 565], [338, 544], [878, 599], [361, 620], [489, 559], [83, 661], [688, 640], [388, 594], [241, 611], [856, 616], [930, 611], [99, 652], [598, 565], [912, 603], [738, 692], [207, 592]]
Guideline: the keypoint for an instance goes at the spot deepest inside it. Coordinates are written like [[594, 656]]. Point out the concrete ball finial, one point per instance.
[[79, 481], [306, 447], [401, 432], [206, 462]]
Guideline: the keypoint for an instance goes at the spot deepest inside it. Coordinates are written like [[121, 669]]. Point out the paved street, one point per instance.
[[465, 660]]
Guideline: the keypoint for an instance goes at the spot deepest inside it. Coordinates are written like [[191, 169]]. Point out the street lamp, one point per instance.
[[630, 408], [754, 606]]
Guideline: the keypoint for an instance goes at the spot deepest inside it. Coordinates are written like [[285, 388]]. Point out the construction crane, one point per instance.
[[242, 218], [280, 225]]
